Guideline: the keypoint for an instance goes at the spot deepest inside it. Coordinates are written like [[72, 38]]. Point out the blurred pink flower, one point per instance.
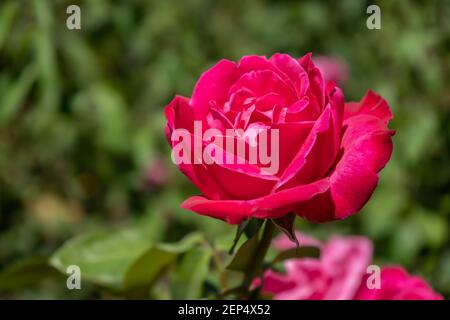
[[156, 174], [336, 275], [332, 68], [397, 284], [340, 273]]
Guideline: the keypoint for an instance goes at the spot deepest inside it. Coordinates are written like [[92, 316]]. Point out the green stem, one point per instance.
[[259, 256]]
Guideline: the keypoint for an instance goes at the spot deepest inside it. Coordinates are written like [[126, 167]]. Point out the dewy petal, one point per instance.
[[213, 85], [270, 206]]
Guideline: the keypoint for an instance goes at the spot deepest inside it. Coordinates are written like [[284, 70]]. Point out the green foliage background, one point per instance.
[[82, 148]]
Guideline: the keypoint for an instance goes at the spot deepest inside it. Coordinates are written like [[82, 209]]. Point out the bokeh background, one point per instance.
[[82, 144]]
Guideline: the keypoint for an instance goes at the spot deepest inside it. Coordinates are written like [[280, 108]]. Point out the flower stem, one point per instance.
[[258, 258]]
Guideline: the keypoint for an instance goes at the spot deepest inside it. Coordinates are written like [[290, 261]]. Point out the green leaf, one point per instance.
[[120, 260], [294, 253], [243, 257], [249, 227], [144, 270], [26, 272], [103, 257], [189, 277]]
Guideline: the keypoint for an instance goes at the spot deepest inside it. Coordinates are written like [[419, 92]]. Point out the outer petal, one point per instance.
[[213, 85], [179, 115], [270, 206], [366, 148], [242, 181], [371, 104]]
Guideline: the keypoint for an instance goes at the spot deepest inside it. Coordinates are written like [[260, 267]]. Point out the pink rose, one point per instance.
[[328, 154], [397, 284], [336, 275], [332, 68], [340, 273]]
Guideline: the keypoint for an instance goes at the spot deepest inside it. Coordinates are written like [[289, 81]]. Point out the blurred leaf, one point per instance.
[[443, 273], [407, 241], [381, 214], [103, 257], [25, 273], [14, 96], [421, 125], [189, 276], [111, 118], [148, 266], [120, 260], [434, 228]]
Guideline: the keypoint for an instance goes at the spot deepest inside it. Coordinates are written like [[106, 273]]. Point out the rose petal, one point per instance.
[[314, 157], [371, 104], [179, 114], [397, 284], [213, 85], [293, 70], [366, 148], [270, 206], [262, 82]]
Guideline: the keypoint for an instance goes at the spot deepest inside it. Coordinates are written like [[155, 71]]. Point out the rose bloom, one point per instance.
[[340, 274], [335, 275], [330, 152]]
